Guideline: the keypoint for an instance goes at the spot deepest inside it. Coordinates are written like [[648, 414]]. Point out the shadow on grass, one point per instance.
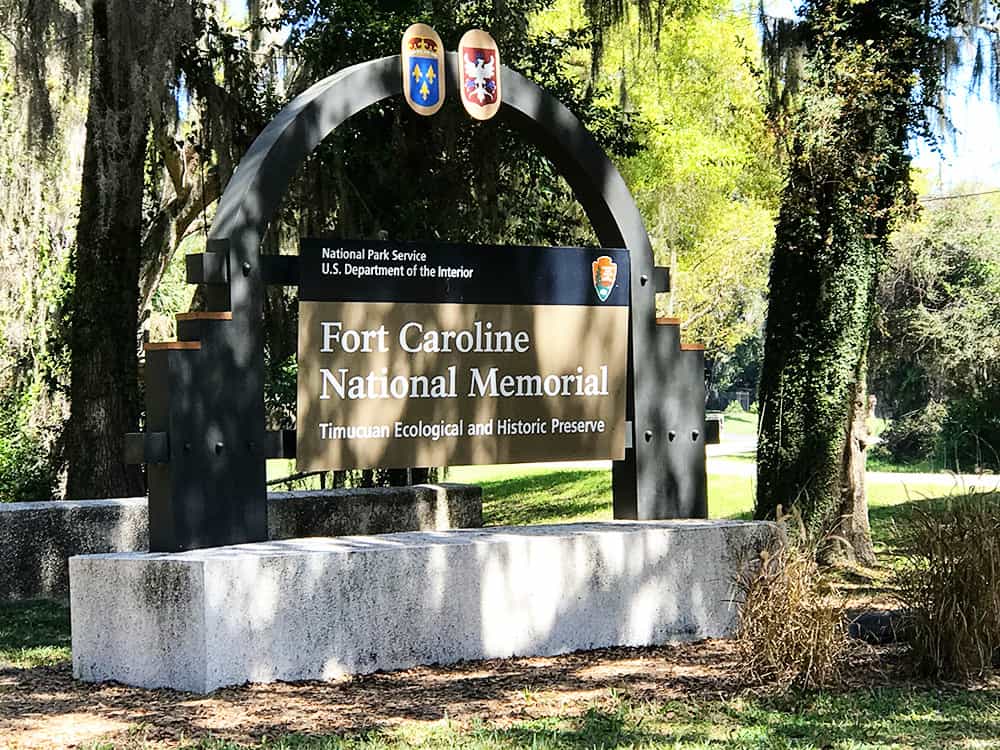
[[597, 728], [38, 624], [898, 717], [33, 634], [554, 496], [884, 518], [881, 717]]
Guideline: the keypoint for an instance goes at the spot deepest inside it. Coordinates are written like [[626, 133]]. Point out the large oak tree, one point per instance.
[[133, 50], [870, 74]]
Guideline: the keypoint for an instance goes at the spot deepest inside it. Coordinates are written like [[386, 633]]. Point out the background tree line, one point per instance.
[[781, 165], [144, 117]]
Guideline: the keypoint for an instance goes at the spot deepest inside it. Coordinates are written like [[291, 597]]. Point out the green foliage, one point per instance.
[[949, 583], [970, 435], [914, 436], [935, 353], [42, 109], [848, 184], [391, 172], [26, 471], [281, 382], [734, 407], [707, 180], [739, 369], [28, 446]]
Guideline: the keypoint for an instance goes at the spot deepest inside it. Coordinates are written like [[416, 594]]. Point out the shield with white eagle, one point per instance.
[[479, 60]]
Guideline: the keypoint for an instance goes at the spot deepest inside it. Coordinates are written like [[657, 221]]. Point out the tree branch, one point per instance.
[[173, 159]]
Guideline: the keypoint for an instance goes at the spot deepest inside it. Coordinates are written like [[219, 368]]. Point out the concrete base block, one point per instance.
[[321, 608], [36, 539]]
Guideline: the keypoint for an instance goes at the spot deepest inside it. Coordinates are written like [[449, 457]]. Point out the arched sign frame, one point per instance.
[[211, 489]]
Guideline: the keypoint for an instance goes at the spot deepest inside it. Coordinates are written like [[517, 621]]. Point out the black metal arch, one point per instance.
[[253, 195], [206, 443]]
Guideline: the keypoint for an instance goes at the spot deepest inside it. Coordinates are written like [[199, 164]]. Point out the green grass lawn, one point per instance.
[[898, 717], [879, 462], [515, 495], [880, 719], [33, 634], [739, 424], [883, 717]]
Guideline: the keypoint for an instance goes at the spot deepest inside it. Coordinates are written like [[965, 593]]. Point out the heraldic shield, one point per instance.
[[423, 64], [480, 62], [605, 272]]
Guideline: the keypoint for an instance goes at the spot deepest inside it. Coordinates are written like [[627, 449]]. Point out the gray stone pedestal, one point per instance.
[[324, 607], [37, 539]]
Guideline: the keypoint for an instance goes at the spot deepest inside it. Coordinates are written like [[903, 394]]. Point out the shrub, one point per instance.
[[792, 627], [914, 437], [970, 434], [733, 407], [26, 470], [949, 583], [280, 384]]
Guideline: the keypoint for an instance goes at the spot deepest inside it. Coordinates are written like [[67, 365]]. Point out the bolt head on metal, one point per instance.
[[671, 436], [219, 447], [644, 279], [187, 447], [694, 435], [246, 269], [648, 434]]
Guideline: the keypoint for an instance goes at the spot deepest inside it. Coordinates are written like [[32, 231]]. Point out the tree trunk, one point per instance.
[[814, 345], [852, 535], [848, 177], [104, 391]]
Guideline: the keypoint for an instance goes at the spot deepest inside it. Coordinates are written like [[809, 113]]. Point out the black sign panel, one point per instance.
[[369, 271]]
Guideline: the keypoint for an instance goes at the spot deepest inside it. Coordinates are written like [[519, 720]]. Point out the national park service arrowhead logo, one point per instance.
[[605, 272], [479, 59], [423, 69]]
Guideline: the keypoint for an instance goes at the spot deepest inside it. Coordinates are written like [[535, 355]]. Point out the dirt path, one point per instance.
[[46, 708]]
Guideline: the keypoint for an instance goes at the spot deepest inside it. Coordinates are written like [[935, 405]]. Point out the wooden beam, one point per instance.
[[159, 346]]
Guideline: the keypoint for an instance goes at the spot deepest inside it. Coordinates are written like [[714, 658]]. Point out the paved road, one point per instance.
[[732, 459], [747, 445]]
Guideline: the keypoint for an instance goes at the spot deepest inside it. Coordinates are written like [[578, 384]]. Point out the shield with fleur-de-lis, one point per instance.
[[423, 69]]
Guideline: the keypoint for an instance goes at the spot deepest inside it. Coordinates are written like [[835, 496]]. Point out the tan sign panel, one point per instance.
[[499, 371]]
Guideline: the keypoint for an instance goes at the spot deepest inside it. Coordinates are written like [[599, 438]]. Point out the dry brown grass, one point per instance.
[[949, 583], [792, 625]]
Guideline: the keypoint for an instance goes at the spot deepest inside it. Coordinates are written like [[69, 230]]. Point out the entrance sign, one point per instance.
[[480, 58], [423, 69], [206, 439], [430, 355]]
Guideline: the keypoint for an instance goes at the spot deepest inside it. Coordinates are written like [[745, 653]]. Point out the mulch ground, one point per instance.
[[46, 708]]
